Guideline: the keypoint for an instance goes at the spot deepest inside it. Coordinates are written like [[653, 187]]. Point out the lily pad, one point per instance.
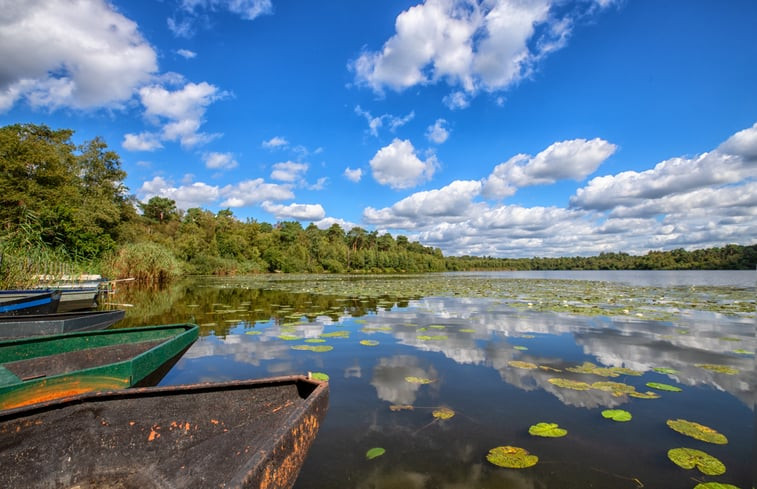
[[253, 333], [336, 334], [616, 388], [688, 458], [721, 369], [443, 413], [521, 348], [644, 395], [417, 380], [374, 452], [663, 387], [569, 384], [288, 337], [547, 430], [319, 376], [369, 342], [697, 431], [401, 407], [511, 457], [743, 352], [715, 485], [619, 415], [665, 370], [590, 368], [315, 348], [467, 330], [315, 340], [523, 365]]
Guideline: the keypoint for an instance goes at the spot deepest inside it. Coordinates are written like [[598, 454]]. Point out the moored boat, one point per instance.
[[56, 323], [18, 302], [242, 434], [41, 368]]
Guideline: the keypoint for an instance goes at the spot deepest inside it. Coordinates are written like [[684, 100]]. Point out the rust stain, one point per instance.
[[154, 433], [282, 473], [214, 421]]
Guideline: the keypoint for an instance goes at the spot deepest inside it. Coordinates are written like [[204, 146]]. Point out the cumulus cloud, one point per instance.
[[186, 53], [219, 161], [196, 194], [573, 159], [353, 175], [450, 202], [81, 54], [437, 132], [249, 192], [275, 142], [144, 141], [289, 171], [388, 120], [472, 45], [183, 22], [300, 212], [398, 166], [181, 111]]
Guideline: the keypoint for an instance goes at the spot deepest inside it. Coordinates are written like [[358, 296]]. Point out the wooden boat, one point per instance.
[[57, 323], [41, 368], [243, 434], [16, 302], [71, 298]]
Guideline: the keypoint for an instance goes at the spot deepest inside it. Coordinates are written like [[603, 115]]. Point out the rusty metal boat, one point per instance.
[[241, 434]]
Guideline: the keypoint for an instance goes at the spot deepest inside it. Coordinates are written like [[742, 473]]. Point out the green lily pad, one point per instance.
[[511, 457], [697, 431], [663, 387], [743, 352], [665, 370], [315, 348], [721, 369], [319, 376], [521, 348], [336, 334], [417, 380], [688, 458], [616, 388], [374, 452], [315, 340], [443, 413], [715, 485], [569, 384], [467, 330], [523, 365], [644, 395], [253, 333], [548, 430], [288, 337], [590, 368], [369, 342], [619, 415]]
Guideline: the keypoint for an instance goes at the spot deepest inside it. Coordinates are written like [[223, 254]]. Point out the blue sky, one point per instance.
[[498, 127]]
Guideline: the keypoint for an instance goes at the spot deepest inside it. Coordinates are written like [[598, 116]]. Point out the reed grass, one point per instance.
[[148, 263]]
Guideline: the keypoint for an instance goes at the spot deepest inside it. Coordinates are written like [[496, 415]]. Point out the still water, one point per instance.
[[496, 350]]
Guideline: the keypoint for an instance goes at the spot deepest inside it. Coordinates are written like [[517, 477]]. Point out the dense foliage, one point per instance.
[[63, 203]]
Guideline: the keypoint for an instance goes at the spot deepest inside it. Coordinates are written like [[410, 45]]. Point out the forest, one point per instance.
[[65, 208]]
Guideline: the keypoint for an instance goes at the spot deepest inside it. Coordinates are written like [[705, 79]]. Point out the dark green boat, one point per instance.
[[42, 368]]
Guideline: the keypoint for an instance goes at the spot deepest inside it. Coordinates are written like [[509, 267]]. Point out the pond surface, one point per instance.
[[500, 353]]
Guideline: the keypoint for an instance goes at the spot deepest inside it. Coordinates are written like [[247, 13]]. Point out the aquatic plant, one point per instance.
[[688, 458], [619, 415], [523, 365], [663, 387], [569, 384], [511, 457], [369, 342], [417, 380], [314, 348], [721, 369], [697, 431], [547, 430], [374, 452], [443, 413], [319, 376]]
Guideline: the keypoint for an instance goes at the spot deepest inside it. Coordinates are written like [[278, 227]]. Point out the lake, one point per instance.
[[439, 369]]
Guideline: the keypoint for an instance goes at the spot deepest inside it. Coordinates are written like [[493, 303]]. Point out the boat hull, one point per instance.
[[20, 302], [244, 434], [56, 323], [39, 369]]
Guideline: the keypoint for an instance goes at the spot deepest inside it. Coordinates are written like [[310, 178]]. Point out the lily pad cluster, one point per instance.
[[590, 368], [720, 369], [617, 389]]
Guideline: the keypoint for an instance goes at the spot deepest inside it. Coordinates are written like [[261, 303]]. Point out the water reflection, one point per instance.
[[488, 361]]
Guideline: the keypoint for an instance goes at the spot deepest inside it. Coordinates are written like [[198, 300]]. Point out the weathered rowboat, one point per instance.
[[244, 434], [16, 302], [71, 298], [41, 368], [56, 323]]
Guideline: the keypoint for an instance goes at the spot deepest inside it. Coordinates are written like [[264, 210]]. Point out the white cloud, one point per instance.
[[473, 45], [289, 171], [183, 23], [197, 194], [742, 144], [275, 142], [573, 159], [144, 141], [186, 53], [437, 132], [255, 191], [224, 161], [81, 54], [302, 212], [353, 175], [398, 166], [181, 111], [456, 100], [376, 123]]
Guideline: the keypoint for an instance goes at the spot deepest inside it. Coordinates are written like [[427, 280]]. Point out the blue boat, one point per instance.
[[16, 302]]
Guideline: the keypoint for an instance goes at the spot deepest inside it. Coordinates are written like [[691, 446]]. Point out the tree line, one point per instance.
[[67, 203]]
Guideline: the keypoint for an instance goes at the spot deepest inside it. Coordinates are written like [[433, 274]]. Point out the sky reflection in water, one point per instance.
[[466, 346]]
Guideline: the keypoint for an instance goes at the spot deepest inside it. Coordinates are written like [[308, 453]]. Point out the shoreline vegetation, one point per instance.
[[65, 209]]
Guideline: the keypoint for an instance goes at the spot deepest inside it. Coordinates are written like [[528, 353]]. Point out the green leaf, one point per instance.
[[569, 384], [374, 452], [315, 348], [417, 380], [315, 340], [369, 342], [523, 365], [721, 369], [253, 332], [511, 457], [619, 415], [288, 337], [663, 387], [521, 348], [319, 376], [548, 430], [697, 431], [688, 458], [665, 370], [715, 485]]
